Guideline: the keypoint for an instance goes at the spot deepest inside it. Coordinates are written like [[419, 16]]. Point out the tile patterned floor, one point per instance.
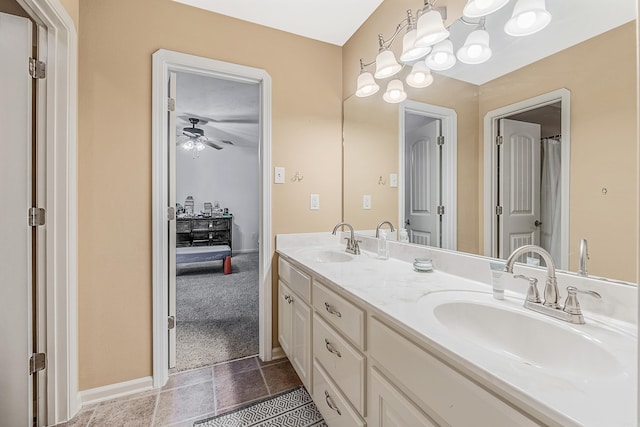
[[193, 395]]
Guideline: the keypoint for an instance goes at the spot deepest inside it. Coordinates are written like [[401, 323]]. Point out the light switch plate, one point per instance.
[[314, 202], [366, 201], [393, 180], [278, 175]]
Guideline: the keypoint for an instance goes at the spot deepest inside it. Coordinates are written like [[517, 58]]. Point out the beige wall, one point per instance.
[[604, 142], [73, 9], [114, 156]]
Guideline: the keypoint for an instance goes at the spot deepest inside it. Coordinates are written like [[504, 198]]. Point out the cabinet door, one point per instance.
[[284, 317], [301, 340], [390, 408]]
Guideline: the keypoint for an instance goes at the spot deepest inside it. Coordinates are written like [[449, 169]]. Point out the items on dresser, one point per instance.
[[200, 231]]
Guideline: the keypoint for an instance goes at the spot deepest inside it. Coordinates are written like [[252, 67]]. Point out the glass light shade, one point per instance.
[[529, 16], [199, 146], [395, 92], [441, 57], [411, 52], [430, 29], [188, 145], [386, 65], [480, 8], [476, 48], [420, 75], [366, 85]]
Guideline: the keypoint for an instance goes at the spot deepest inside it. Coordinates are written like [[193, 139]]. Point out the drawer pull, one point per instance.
[[331, 348], [330, 403], [331, 310]]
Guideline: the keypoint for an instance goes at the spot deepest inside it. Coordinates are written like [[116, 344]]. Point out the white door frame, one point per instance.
[[57, 128], [449, 119], [163, 62], [490, 179]]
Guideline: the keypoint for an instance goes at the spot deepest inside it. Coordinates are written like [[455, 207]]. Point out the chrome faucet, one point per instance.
[[352, 243], [551, 286], [583, 257], [571, 311], [381, 224]]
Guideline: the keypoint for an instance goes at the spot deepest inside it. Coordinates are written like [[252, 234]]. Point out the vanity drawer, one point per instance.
[[339, 312], [444, 394], [342, 362], [299, 282], [333, 406]]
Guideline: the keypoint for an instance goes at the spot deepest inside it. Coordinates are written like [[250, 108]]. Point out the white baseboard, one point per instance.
[[112, 391], [277, 353]]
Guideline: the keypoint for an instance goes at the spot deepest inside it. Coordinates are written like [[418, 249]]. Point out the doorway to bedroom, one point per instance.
[[217, 205]]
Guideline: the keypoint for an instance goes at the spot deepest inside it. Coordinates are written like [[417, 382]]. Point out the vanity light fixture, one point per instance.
[[529, 17], [428, 38], [476, 49], [395, 92], [366, 83], [420, 75], [480, 8], [441, 57]]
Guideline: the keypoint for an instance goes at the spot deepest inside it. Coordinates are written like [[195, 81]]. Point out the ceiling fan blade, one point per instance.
[[212, 145], [190, 134]]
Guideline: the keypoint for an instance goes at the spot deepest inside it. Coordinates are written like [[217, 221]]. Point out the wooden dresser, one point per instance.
[[204, 231]]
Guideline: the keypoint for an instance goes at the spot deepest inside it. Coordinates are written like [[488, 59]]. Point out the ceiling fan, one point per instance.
[[193, 138]]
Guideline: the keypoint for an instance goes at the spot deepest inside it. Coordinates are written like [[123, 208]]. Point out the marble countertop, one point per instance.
[[394, 289]]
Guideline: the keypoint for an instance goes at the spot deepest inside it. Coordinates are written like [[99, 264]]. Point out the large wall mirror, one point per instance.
[[598, 77]]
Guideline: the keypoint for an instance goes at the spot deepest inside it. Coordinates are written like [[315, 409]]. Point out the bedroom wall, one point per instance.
[[229, 176], [116, 42]]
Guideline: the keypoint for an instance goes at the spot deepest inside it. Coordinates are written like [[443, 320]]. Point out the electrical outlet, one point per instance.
[[366, 201], [314, 202], [393, 180], [278, 175]]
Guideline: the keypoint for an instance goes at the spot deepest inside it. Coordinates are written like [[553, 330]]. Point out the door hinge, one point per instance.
[[171, 104], [171, 213], [499, 140], [498, 210], [440, 210], [440, 140], [37, 362], [171, 322], [37, 69], [37, 217]]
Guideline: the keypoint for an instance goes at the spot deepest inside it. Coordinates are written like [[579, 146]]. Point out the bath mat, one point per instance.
[[291, 408]]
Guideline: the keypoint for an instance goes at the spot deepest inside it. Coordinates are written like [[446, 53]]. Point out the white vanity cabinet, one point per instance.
[[367, 370], [294, 319]]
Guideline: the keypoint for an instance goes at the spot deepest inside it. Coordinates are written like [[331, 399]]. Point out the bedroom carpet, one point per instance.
[[216, 314]]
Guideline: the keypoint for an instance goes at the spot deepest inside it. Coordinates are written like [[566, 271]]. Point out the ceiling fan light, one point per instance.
[[430, 29], [411, 52], [199, 146], [480, 8], [420, 76], [441, 57], [395, 92], [188, 145], [386, 64], [529, 17], [476, 48], [366, 85]]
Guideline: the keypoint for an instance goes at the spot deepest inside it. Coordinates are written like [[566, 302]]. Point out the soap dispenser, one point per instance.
[[383, 245], [403, 236]]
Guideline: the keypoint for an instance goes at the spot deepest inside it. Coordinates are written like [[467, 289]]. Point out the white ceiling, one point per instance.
[[330, 21]]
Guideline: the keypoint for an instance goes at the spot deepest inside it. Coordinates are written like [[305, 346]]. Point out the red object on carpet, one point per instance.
[[227, 265]]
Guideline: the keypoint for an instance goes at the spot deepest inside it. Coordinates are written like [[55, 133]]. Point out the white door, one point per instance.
[[518, 186], [172, 222], [422, 189], [16, 168]]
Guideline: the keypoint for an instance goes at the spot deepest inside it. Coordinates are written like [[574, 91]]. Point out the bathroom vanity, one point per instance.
[[377, 343]]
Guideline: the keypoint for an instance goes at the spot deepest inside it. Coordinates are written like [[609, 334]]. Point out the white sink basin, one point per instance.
[[327, 256], [526, 337]]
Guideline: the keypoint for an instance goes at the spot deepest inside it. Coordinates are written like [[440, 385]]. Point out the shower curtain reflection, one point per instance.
[[550, 196]]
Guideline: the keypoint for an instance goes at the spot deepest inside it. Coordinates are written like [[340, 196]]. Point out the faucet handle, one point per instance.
[[571, 304], [532, 293]]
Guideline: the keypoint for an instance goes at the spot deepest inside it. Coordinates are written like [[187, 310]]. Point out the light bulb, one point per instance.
[[188, 145], [474, 51], [440, 57], [419, 77], [394, 94], [526, 20]]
